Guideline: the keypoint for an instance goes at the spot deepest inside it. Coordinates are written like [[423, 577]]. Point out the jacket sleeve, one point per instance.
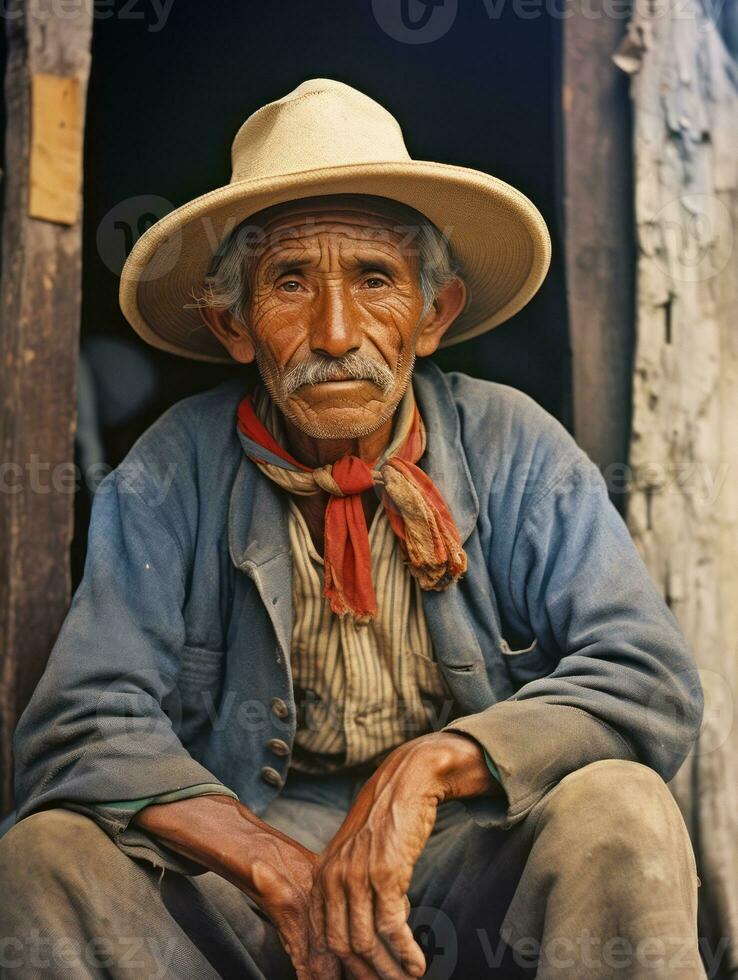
[[97, 728], [623, 684]]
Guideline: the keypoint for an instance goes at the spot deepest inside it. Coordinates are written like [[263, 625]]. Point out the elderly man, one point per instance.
[[365, 676]]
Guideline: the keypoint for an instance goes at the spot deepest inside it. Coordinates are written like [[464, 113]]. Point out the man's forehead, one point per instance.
[[345, 236], [351, 231]]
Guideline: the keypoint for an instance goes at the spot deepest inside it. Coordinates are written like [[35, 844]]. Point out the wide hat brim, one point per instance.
[[496, 233]]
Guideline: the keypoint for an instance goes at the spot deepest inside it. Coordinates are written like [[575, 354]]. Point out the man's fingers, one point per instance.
[[323, 966], [346, 912], [297, 951], [366, 943], [391, 918], [316, 918], [371, 957], [362, 928], [336, 914], [317, 966], [357, 969], [308, 963]]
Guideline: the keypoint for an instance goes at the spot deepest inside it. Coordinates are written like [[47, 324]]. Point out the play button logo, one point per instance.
[[415, 21]]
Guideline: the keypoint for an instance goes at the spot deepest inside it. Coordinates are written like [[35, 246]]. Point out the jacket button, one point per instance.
[[280, 708], [271, 776], [278, 746]]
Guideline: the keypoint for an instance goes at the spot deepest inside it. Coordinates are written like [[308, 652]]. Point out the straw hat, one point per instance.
[[327, 138]]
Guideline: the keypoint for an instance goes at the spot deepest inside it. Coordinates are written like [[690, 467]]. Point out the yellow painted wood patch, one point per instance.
[[56, 148]]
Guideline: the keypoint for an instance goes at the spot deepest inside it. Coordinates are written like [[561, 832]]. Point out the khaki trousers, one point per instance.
[[598, 881]]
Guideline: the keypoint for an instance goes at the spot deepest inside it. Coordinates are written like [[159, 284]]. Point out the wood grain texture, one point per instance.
[[39, 329], [683, 506], [599, 237]]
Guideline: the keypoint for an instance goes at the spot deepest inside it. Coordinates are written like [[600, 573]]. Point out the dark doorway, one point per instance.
[[169, 89]]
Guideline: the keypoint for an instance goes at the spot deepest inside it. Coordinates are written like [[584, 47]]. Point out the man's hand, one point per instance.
[[359, 905], [275, 871], [280, 882]]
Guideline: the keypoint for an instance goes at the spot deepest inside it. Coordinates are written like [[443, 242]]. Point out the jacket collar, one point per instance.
[[444, 459]]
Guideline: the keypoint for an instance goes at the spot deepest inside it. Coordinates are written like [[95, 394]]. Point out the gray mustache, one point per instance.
[[358, 367]]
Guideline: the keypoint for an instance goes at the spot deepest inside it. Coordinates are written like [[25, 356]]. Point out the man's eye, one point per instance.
[[374, 282], [290, 285]]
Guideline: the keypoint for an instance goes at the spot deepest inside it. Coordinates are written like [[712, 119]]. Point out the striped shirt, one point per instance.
[[360, 690]]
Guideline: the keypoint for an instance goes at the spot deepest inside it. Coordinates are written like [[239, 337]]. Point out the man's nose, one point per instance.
[[335, 330]]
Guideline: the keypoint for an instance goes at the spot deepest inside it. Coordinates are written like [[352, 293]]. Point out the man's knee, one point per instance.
[[602, 779], [47, 846], [621, 810]]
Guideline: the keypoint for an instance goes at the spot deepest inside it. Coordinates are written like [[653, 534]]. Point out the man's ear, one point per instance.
[[234, 336], [447, 305]]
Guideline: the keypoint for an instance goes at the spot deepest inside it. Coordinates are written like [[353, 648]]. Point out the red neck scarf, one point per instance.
[[418, 515]]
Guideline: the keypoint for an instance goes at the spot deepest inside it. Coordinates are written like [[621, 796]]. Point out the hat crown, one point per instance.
[[322, 123]]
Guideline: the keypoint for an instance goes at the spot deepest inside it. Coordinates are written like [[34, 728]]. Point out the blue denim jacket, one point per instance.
[[172, 668]]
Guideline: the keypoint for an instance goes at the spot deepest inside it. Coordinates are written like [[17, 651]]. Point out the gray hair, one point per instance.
[[226, 285]]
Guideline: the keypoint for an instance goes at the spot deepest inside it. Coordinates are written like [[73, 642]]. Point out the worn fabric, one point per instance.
[[417, 513], [598, 881], [360, 691], [361, 688], [173, 666]]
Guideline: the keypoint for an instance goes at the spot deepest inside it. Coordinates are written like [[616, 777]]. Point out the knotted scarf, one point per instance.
[[418, 515]]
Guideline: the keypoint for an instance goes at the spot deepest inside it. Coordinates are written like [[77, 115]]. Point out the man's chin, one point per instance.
[[339, 409]]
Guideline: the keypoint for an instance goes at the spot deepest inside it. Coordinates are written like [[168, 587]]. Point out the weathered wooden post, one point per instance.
[[45, 87], [683, 507], [597, 212], [664, 200]]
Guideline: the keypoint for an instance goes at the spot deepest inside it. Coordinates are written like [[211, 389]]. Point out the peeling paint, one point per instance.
[[685, 390]]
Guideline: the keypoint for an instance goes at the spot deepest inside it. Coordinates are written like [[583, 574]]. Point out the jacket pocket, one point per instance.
[[428, 675], [526, 663]]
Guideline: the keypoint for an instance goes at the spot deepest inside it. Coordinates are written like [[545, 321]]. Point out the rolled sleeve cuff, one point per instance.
[[202, 789], [491, 766], [116, 819], [532, 745]]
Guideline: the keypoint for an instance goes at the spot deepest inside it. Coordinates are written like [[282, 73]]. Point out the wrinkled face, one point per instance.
[[335, 316]]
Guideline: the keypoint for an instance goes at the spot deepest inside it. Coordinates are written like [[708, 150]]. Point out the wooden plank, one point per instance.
[[599, 248], [39, 327], [683, 506], [56, 148]]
